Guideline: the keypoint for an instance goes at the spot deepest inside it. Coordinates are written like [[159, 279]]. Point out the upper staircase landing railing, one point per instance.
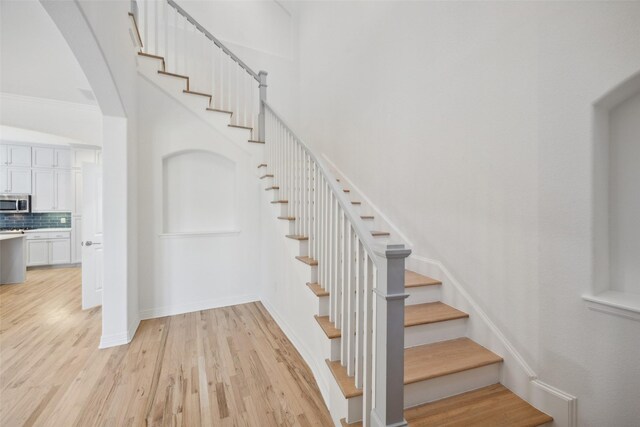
[[190, 50], [365, 280]]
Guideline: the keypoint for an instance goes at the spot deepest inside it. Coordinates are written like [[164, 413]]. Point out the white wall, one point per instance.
[[182, 272], [625, 196], [98, 33], [264, 35], [469, 125]]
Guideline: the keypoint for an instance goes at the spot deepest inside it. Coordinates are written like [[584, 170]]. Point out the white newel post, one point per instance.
[[389, 340], [262, 75]]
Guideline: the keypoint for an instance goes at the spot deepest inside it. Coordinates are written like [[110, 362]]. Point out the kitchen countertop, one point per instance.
[[10, 236], [40, 230]]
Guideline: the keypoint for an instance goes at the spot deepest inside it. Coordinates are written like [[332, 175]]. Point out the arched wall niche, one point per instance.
[[616, 163], [199, 193]]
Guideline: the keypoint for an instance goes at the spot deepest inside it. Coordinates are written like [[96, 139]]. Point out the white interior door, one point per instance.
[[92, 249]]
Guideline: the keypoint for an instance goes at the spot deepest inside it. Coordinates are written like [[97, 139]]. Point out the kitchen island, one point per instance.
[[13, 263]]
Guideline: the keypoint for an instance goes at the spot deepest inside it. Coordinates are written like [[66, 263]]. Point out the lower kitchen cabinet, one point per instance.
[[37, 252], [48, 248]]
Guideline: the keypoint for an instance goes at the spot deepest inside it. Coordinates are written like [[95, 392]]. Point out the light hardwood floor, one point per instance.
[[224, 367]]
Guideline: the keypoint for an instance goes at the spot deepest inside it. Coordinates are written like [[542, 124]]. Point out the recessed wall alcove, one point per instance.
[[199, 193], [616, 129]]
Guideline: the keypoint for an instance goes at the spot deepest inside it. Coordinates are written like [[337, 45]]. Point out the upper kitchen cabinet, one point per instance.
[[15, 180], [48, 157], [15, 155], [51, 190], [83, 155]]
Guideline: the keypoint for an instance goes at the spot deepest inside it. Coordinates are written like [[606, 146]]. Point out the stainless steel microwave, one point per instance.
[[14, 203]]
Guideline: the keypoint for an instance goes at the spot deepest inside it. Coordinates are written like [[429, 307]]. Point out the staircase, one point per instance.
[[394, 349]]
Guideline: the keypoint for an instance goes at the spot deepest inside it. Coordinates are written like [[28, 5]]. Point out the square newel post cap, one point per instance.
[[393, 251], [262, 75]]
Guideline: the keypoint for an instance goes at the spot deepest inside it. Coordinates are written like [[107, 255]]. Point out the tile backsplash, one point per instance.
[[35, 220]]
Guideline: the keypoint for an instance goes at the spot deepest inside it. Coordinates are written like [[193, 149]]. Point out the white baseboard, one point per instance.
[[172, 310], [121, 338], [321, 379]]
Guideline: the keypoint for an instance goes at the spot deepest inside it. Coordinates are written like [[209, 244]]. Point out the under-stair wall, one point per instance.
[[207, 256]]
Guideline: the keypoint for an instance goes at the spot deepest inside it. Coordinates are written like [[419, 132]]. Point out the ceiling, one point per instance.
[[35, 59]]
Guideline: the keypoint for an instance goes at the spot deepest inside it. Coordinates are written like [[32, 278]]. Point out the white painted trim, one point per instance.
[[199, 234], [172, 310], [621, 304], [321, 379], [49, 101], [377, 212], [567, 412], [121, 338], [114, 340]]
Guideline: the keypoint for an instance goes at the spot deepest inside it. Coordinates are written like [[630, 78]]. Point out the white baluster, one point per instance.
[[360, 355]]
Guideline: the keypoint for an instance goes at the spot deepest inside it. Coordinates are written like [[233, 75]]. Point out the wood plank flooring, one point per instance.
[[231, 366]]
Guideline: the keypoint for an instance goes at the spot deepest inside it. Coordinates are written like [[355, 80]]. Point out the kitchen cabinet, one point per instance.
[[48, 248], [76, 239], [37, 252], [83, 155], [15, 180], [15, 155], [76, 185], [49, 157], [51, 190]]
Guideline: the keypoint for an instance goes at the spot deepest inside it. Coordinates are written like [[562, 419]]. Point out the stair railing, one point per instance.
[[190, 50], [365, 280]]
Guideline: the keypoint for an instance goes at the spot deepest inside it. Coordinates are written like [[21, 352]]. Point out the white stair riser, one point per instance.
[[323, 306], [422, 294], [450, 385], [416, 296], [420, 334], [437, 388], [434, 332]]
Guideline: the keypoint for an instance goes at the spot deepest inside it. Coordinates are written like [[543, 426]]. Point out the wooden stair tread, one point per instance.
[[307, 260], [255, 141], [430, 312], [366, 216], [346, 190], [445, 357], [356, 203], [287, 218], [166, 73], [345, 382], [327, 326], [192, 92], [428, 361], [414, 315], [221, 111], [317, 289], [267, 176], [240, 127], [149, 55], [273, 187], [491, 406], [296, 237], [380, 233], [262, 165], [411, 278], [280, 201], [414, 280]]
